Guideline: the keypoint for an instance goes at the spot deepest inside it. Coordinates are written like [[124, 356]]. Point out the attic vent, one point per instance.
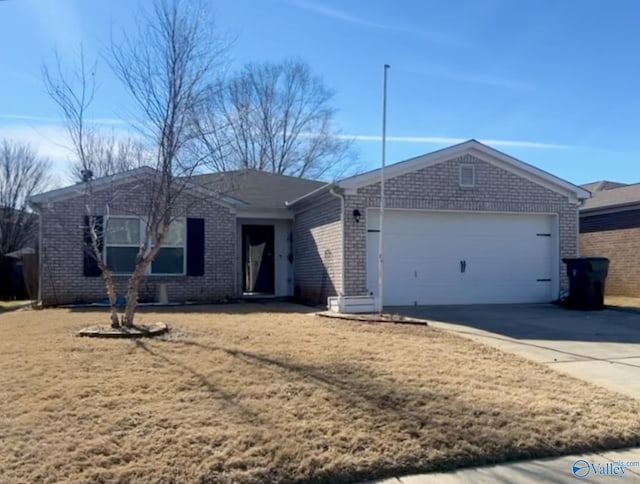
[[467, 176]]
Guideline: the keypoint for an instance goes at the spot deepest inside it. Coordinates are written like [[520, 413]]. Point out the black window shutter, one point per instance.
[[195, 247], [90, 265]]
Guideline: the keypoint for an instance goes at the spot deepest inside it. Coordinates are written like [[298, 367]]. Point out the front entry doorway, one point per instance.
[[258, 259]]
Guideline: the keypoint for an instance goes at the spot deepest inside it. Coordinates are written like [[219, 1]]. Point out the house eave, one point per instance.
[[311, 196], [79, 189], [614, 208]]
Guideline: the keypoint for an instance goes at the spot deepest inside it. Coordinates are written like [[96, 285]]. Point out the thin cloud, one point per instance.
[[28, 118], [473, 78], [528, 144], [51, 141], [451, 141], [336, 14], [45, 119], [489, 81], [340, 15]]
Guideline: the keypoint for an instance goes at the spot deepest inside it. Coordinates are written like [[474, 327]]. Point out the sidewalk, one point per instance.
[[592, 467]]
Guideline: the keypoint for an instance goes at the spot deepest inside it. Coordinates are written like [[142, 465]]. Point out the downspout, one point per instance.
[[342, 238], [578, 205], [236, 263], [40, 255]]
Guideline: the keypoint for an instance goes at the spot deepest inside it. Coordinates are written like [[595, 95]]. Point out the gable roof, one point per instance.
[[106, 181], [473, 147], [602, 185], [620, 195], [259, 188], [479, 150]]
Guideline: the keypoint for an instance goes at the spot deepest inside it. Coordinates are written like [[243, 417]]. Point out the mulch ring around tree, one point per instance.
[[136, 331]]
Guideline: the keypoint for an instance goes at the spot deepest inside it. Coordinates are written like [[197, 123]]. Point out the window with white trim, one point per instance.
[[467, 176], [124, 236], [171, 259], [122, 242]]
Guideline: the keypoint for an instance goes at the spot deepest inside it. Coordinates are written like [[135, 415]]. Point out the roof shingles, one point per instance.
[[611, 194], [258, 188]]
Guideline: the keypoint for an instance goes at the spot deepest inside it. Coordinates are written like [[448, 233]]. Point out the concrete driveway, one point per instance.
[[602, 347]]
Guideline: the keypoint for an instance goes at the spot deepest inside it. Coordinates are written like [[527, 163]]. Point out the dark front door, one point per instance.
[[257, 258]]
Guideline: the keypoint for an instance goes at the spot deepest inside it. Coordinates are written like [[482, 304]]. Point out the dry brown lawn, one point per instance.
[[253, 393]]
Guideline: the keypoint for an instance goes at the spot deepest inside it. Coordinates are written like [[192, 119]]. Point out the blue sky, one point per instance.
[[552, 82]]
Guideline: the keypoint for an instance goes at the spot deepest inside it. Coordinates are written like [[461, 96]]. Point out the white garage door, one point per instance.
[[463, 258]]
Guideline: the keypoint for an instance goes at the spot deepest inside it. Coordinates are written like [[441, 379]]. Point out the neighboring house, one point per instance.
[[466, 224], [610, 227], [18, 243]]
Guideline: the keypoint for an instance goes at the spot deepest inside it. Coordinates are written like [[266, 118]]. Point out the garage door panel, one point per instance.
[[505, 257]]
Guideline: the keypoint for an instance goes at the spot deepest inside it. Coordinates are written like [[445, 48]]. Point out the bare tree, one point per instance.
[[166, 67], [74, 93], [97, 153], [107, 154], [275, 117], [22, 174]]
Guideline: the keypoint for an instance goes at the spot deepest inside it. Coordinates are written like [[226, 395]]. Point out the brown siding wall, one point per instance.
[[437, 188], [622, 248], [317, 240], [62, 275], [627, 219]]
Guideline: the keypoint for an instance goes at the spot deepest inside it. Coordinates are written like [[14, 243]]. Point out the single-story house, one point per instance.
[[610, 227], [465, 224]]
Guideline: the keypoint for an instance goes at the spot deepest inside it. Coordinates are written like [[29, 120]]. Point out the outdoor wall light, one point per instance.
[[357, 215]]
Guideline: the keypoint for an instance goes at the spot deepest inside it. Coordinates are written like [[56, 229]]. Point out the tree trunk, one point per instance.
[[132, 295], [111, 293], [107, 275]]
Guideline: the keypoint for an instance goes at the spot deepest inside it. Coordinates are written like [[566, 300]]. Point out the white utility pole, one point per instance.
[[384, 156]]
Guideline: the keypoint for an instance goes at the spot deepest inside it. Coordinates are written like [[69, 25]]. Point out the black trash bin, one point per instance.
[[587, 276]]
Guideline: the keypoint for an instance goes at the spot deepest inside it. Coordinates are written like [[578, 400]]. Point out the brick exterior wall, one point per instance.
[[437, 188], [62, 278], [621, 247], [317, 241]]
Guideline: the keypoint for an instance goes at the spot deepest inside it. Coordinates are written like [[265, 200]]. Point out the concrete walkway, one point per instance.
[[596, 467]]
